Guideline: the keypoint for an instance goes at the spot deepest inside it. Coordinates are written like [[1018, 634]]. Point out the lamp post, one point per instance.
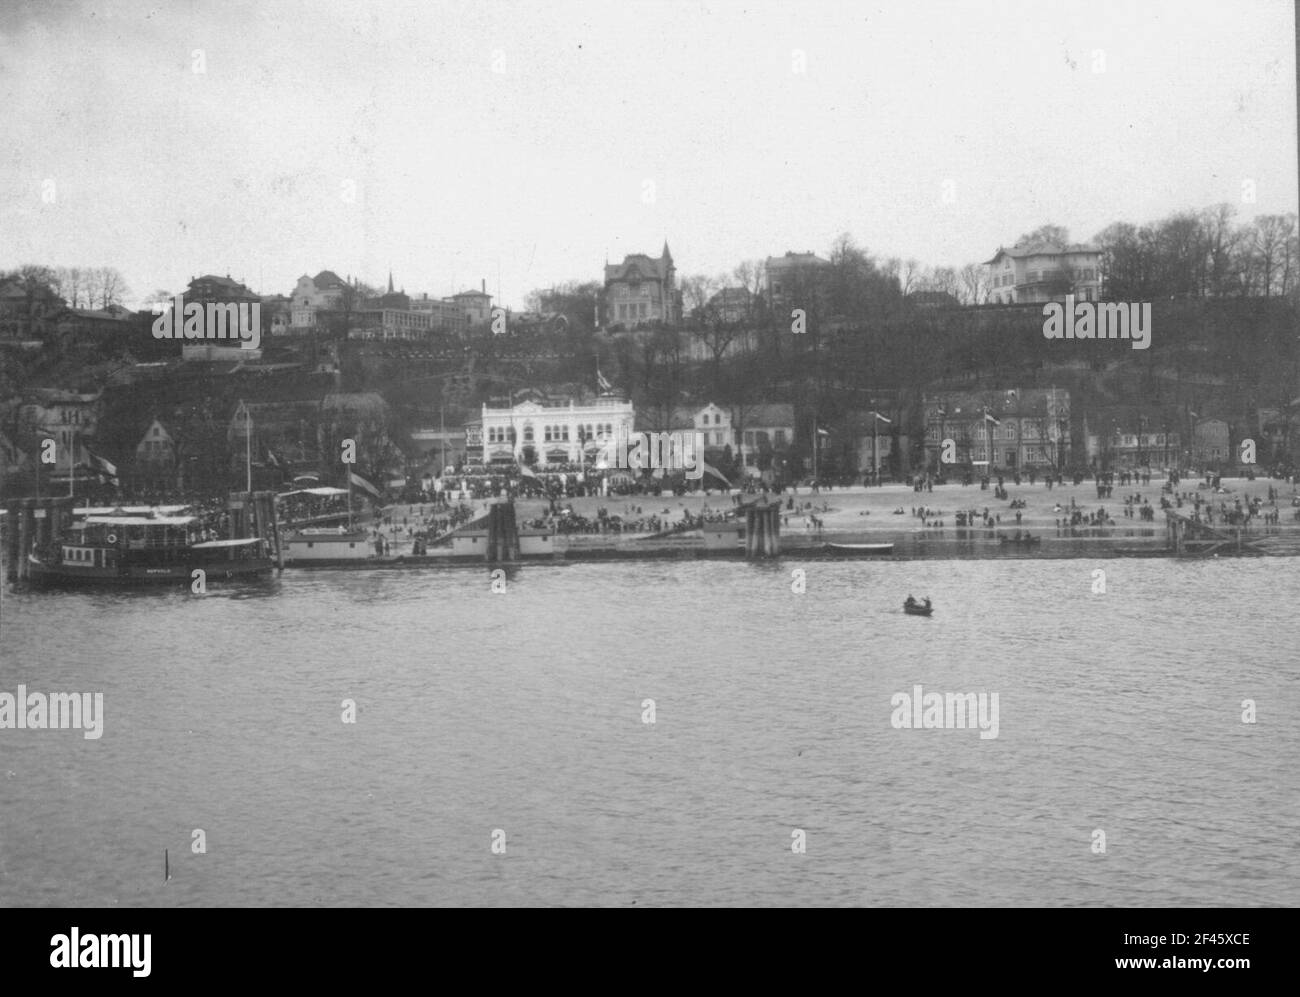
[[943, 414]]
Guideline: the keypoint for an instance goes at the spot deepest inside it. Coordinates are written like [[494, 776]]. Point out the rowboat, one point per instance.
[[857, 550], [917, 609]]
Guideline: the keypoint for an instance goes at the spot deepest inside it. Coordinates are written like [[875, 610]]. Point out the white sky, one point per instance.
[[532, 176]]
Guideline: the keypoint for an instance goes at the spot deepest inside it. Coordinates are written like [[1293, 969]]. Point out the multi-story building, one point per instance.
[[391, 324], [324, 292], [641, 290], [730, 306], [1279, 428], [476, 306], [1011, 429], [1044, 271], [219, 290], [1122, 449], [28, 310], [445, 315], [762, 431], [63, 416], [798, 280], [538, 430], [154, 466], [1211, 444]]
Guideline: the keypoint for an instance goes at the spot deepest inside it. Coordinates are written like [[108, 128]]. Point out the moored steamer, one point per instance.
[[114, 550]]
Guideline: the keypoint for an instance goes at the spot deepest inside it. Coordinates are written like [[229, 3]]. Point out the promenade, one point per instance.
[[925, 526]]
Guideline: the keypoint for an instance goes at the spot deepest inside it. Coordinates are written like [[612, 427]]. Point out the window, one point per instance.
[[780, 437]]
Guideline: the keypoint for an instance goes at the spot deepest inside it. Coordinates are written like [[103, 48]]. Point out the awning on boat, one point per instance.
[[323, 492], [243, 542]]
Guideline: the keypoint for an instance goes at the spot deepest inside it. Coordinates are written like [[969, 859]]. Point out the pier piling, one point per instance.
[[503, 533], [762, 530]]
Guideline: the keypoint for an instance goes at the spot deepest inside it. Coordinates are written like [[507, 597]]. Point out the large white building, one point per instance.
[[536, 431], [1044, 271]]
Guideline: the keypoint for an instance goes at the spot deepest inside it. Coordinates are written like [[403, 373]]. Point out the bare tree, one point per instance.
[[974, 284], [911, 276], [1270, 238], [106, 287], [72, 286], [1219, 239], [697, 293]]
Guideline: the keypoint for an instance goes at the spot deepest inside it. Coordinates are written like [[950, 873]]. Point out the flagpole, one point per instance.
[[248, 448], [72, 466], [814, 455], [349, 500]]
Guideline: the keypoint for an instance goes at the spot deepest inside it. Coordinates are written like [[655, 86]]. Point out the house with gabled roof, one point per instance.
[[641, 290]]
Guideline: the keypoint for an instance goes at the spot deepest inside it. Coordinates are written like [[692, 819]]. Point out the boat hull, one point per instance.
[[857, 550], [141, 575]]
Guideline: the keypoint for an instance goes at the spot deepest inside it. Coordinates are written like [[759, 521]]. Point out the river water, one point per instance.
[[519, 717]]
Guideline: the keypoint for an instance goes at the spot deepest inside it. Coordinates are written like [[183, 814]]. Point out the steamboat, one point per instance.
[[143, 548]]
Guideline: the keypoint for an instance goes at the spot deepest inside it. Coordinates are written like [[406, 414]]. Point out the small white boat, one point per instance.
[[857, 550]]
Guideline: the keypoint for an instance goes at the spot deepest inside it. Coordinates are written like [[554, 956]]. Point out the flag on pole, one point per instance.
[[600, 380], [102, 467], [710, 469], [526, 473], [363, 484], [990, 418]]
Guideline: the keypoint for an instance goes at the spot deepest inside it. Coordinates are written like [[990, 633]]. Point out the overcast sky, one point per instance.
[[518, 143]]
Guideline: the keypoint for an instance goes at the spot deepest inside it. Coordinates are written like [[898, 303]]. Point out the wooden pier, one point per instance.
[[253, 514], [1188, 538], [32, 524]]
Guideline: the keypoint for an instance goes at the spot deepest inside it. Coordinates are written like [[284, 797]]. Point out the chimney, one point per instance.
[[485, 285]]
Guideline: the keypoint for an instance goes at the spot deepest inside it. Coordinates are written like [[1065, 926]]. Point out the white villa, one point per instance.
[[542, 432]]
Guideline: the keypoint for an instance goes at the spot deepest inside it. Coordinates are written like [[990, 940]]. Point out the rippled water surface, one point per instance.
[[523, 711]]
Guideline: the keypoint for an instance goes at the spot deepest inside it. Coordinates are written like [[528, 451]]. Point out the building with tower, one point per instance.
[[641, 290]]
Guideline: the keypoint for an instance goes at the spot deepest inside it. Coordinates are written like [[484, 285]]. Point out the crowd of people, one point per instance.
[[633, 519], [299, 507]]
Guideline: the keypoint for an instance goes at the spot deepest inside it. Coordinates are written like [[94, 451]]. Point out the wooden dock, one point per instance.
[[1188, 538]]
